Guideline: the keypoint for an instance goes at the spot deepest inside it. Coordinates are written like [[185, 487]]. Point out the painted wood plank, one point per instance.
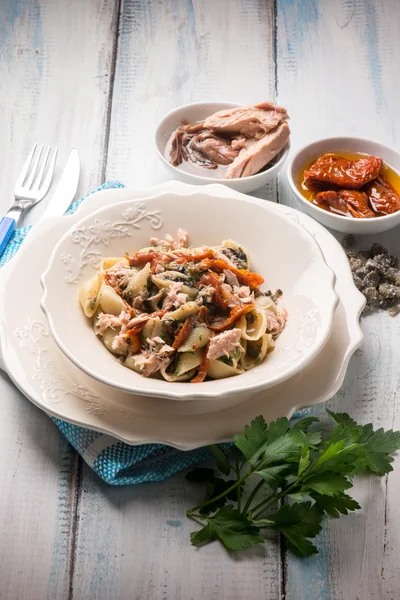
[[56, 60], [38, 473], [134, 542], [336, 75], [173, 53]]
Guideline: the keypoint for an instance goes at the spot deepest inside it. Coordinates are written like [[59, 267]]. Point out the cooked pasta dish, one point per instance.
[[183, 313]]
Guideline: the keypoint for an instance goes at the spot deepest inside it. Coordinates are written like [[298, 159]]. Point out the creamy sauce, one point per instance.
[[386, 173]]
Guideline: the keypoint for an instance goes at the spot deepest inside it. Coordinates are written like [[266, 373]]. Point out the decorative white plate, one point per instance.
[[58, 387], [280, 249]]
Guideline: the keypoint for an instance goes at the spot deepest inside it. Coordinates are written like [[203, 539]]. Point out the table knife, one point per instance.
[[66, 189]]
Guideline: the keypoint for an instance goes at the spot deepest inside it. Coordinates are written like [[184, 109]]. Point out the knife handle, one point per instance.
[[7, 226]]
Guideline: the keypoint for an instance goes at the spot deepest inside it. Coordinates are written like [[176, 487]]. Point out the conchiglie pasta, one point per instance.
[[188, 361], [138, 281], [108, 263], [130, 363], [108, 337], [266, 303], [110, 302], [152, 329], [88, 294], [198, 338], [219, 370], [255, 352], [168, 283], [186, 310], [253, 325]]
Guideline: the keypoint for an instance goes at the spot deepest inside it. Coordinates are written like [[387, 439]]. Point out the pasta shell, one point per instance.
[[168, 283], [239, 257], [173, 377], [188, 361], [138, 281], [110, 302], [198, 338], [88, 294], [266, 303], [219, 370], [153, 328], [130, 363], [109, 262], [107, 338], [255, 352], [253, 325], [190, 308]]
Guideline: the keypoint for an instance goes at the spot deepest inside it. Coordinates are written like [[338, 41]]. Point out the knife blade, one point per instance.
[[66, 189]]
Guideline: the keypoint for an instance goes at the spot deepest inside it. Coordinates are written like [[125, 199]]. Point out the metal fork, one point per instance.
[[31, 187]]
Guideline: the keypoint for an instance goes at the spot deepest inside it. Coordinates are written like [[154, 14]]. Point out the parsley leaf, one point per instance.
[[232, 528], [277, 429], [222, 461], [327, 483], [335, 505], [297, 522], [255, 435]]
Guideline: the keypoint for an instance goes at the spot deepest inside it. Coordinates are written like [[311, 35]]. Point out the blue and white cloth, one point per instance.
[[115, 462]]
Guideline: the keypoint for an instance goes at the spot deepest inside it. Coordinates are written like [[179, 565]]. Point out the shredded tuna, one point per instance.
[[169, 243], [224, 344], [206, 294], [106, 321], [275, 322], [174, 299], [120, 342], [231, 277], [159, 269], [155, 358]]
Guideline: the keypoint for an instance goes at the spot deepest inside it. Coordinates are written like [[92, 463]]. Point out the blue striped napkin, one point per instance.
[[115, 462]]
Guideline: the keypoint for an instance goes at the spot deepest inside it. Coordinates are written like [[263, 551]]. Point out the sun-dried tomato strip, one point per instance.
[[185, 257], [220, 296], [202, 315], [202, 372], [183, 333], [142, 258], [253, 280], [135, 340], [235, 314]]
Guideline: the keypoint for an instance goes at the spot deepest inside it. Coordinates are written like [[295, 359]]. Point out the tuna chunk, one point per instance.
[[224, 344], [174, 299], [155, 358], [214, 147], [250, 121], [259, 153]]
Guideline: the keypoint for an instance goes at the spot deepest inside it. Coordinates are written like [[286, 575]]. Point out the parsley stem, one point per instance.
[[252, 496], [238, 491], [265, 504], [237, 483]]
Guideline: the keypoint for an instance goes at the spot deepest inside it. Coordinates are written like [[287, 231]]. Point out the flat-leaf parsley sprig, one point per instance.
[[309, 467]]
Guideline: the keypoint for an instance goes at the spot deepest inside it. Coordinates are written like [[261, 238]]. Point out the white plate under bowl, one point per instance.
[[280, 249], [58, 387]]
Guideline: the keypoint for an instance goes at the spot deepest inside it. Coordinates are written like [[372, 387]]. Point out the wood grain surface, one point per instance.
[[98, 75]]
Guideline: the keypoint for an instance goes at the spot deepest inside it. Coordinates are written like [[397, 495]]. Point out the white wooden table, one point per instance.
[[98, 75]]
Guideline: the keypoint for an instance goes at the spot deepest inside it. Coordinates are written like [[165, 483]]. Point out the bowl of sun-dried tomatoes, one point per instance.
[[348, 184]]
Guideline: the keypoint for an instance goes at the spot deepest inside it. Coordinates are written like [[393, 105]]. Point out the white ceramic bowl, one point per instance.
[[198, 112], [350, 144], [280, 249]]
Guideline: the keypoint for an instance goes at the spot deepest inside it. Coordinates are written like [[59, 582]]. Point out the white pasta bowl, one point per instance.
[[199, 111], [280, 249]]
